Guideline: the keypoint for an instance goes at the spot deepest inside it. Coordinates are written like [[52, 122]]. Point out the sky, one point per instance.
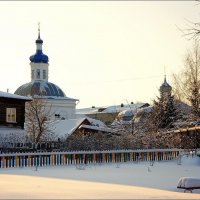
[[100, 52]]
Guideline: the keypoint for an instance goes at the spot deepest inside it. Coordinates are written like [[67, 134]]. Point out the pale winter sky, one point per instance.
[[101, 52]]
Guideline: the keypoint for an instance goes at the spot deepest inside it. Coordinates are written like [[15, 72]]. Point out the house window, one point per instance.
[[11, 115], [44, 74], [38, 74], [32, 74], [57, 116]]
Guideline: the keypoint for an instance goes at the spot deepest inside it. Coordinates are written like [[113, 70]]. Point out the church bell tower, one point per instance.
[[39, 62]]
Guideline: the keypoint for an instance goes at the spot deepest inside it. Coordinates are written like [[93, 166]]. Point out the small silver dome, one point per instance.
[[165, 87]]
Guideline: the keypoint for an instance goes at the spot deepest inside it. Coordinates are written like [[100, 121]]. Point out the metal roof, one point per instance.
[[40, 87]]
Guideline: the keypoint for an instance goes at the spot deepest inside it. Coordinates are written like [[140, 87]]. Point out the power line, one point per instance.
[[119, 80], [136, 78]]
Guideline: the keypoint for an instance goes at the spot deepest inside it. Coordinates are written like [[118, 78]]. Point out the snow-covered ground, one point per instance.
[[105, 181]]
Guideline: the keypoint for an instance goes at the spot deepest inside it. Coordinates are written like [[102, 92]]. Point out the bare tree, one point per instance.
[[187, 83], [192, 31], [38, 121], [193, 28]]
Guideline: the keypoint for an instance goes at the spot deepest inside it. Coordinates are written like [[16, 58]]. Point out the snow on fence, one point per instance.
[[85, 157]]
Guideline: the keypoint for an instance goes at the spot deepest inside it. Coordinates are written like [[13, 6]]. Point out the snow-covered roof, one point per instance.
[[87, 110], [63, 128], [127, 113], [137, 111], [55, 98], [144, 110], [185, 108], [109, 109], [94, 122], [13, 96], [119, 108], [103, 129]]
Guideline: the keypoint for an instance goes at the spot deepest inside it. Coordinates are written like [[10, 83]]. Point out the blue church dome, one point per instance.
[[39, 57], [39, 88]]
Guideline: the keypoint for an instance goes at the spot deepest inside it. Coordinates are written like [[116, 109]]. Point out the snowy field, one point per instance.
[[105, 181]]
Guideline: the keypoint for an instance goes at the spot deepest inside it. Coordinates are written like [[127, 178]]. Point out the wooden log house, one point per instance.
[[12, 110]]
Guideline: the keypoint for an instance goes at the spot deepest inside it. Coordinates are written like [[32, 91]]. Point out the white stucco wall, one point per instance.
[[41, 67], [64, 107]]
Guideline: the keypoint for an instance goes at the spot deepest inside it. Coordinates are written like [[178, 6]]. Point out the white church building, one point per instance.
[[61, 106]]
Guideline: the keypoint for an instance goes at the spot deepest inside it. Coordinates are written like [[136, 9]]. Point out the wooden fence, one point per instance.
[[85, 157]]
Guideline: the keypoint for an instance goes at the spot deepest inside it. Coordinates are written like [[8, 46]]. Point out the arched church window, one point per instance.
[[44, 74], [38, 74], [32, 74]]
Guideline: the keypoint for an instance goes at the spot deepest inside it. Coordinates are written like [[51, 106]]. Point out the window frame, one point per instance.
[[38, 74], [32, 73], [44, 74], [13, 115]]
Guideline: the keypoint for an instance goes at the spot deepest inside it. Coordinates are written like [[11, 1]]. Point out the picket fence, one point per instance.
[[85, 157]]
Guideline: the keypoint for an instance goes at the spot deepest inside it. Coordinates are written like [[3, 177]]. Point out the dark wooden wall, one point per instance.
[[19, 104]]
